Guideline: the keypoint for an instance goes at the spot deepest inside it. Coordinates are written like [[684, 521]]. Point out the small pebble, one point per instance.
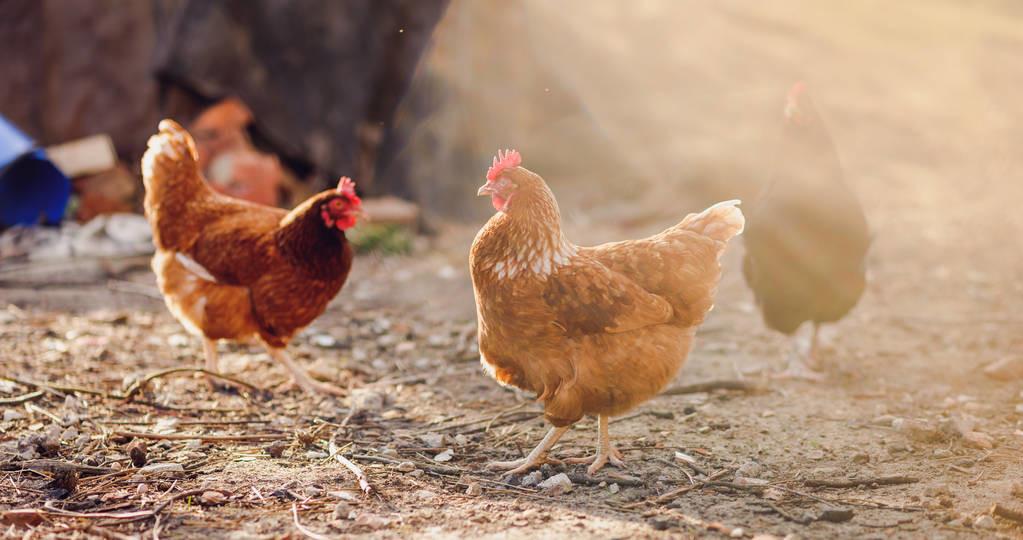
[[474, 490], [836, 515], [276, 449], [212, 498], [984, 522], [532, 479], [444, 456], [342, 510], [614, 488], [737, 532], [406, 466], [557, 484]]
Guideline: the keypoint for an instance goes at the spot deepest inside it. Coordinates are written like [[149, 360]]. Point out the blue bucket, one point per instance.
[[32, 189]]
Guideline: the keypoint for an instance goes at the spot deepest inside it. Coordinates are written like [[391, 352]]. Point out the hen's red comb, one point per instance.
[[796, 91], [345, 186], [505, 159]]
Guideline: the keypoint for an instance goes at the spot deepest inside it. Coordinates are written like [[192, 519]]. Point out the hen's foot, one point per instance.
[[535, 458], [521, 466], [601, 458], [800, 370], [221, 386]]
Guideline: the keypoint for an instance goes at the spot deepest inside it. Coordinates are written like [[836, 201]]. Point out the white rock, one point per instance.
[[614, 488], [11, 414], [559, 483], [444, 456], [323, 341], [433, 440], [163, 468], [984, 522], [366, 399]]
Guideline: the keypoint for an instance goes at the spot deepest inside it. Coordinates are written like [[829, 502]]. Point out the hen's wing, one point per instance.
[[589, 298]]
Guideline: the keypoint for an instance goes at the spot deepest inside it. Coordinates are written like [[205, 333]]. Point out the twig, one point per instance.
[[1003, 511], [436, 469], [591, 481], [305, 532], [262, 437], [880, 481], [62, 388], [805, 520], [141, 383], [685, 489], [708, 386], [22, 398], [54, 465], [361, 476]]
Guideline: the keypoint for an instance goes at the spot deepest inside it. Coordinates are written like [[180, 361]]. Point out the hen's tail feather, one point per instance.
[[170, 152], [722, 221]]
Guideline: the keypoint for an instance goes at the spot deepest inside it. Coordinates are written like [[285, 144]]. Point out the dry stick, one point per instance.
[[53, 465], [22, 398], [436, 469], [881, 481], [781, 512], [303, 530], [361, 476], [263, 437], [141, 383], [63, 389], [725, 384], [1007, 512]]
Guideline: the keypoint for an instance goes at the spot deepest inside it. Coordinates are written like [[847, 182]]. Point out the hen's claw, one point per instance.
[[601, 458], [521, 466]]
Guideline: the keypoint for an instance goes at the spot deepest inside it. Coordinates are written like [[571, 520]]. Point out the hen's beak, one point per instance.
[[486, 189]]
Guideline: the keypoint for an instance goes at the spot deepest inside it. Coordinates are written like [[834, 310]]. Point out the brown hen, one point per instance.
[[230, 269], [590, 330]]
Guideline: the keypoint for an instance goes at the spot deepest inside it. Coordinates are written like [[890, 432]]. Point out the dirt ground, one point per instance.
[[915, 441]]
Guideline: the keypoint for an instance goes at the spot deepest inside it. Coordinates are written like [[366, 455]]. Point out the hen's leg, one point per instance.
[[605, 450], [804, 365], [209, 348], [535, 458], [300, 377]]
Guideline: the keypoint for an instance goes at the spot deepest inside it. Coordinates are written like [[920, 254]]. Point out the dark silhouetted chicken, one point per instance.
[[807, 238]]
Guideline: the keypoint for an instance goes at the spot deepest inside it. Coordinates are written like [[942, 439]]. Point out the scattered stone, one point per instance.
[[556, 484], [366, 399], [531, 479], [276, 449], [836, 515], [461, 440], [474, 489], [212, 498], [885, 420], [920, 431], [343, 510], [444, 456], [323, 341], [316, 454], [433, 440], [406, 466], [614, 488], [416, 473], [861, 458], [11, 415], [750, 469], [737, 532], [425, 495], [663, 524], [179, 341], [985, 522], [162, 468], [980, 440]]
